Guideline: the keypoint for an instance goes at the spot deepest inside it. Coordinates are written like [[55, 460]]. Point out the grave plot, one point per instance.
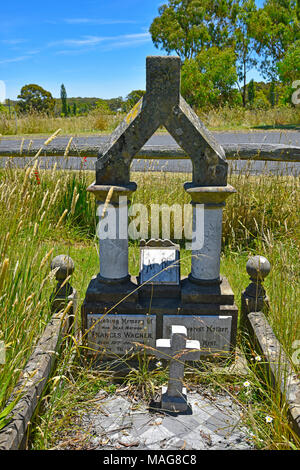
[[180, 319]]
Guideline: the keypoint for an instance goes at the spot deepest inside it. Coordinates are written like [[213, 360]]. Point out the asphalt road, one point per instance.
[[254, 167]]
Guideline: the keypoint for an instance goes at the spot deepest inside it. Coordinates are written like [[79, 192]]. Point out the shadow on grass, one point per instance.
[[291, 127]]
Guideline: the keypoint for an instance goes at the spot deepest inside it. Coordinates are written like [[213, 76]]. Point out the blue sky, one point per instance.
[[95, 47]]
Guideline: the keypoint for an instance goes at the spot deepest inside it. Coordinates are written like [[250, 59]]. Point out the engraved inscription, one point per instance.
[[119, 333]]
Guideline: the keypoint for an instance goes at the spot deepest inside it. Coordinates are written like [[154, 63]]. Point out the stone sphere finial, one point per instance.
[[258, 267], [65, 264]]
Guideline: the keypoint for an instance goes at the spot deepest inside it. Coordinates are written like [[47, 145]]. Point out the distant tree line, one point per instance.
[[34, 98], [219, 41]]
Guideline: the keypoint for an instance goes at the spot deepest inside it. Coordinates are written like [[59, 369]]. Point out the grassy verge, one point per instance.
[[45, 213], [226, 118]]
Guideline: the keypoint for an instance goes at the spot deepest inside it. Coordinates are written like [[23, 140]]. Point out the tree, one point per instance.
[[116, 104], [132, 98], [251, 92], [189, 26], [208, 79], [275, 27], [35, 98], [63, 97], [101, 105], [3, 110], [289, 73], [74, 110], [242, 17], [272, 96], [289, 67]]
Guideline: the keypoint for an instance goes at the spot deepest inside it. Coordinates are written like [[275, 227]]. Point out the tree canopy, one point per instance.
[[34, 98], [208, 79], [260, 37], [275, 27], [188, 26]]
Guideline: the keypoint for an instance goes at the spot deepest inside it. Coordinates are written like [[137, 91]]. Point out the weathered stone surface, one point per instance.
[[64, 265], [258, 267], [118, 333], [163, 81], [209, 194], [208, 294], [213, 332], [111, 291], [120, 422], [277, 364], [162, 105], [207, 155], [101, 191], [254, 298], [32, 383], [64, 292]]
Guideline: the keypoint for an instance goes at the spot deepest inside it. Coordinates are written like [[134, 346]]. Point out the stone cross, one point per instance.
[[178, 350]]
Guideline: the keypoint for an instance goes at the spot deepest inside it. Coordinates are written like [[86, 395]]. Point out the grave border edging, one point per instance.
[[42, 360], [279, 367]]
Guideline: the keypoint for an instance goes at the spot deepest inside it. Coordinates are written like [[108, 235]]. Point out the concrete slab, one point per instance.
[[122, 424]]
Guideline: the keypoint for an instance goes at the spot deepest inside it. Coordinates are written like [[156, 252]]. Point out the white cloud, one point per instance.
[[14, 59], [13, 42], [85, 41], [128, 41], [108, 42], [96, 21]]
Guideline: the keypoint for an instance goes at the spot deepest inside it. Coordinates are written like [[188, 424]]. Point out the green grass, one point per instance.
[[261, 218]]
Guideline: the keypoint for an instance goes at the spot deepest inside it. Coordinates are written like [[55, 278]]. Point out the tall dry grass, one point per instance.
[[39, 123], [95, 121], [243, 118]]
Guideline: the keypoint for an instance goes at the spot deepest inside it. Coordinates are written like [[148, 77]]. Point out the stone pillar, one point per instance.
[[64, 292], [206, 258], [113, 252], [113, 232], [254, 297], [208, 203]]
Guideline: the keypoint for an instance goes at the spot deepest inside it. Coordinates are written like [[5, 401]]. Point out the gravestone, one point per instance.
[[177, 350], [121, 334], [213, 331], [204, 297]]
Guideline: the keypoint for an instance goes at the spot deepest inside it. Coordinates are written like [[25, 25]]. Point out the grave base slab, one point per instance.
[[125, 298]]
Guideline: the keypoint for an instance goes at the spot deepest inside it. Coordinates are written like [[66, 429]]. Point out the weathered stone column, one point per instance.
[[208, 203], [254, 297], [113, 230], [64, 292]]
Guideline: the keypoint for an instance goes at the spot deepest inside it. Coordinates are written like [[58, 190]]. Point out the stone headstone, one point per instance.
[[159, 288], [118, 334], [212, 331]]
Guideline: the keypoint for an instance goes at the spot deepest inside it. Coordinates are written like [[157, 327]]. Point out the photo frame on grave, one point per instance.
[[159, 262]]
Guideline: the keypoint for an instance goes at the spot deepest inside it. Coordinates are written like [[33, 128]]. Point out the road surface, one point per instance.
[[261, 137]]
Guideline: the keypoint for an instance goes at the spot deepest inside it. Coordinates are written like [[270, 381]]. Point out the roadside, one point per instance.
[[234, 130]]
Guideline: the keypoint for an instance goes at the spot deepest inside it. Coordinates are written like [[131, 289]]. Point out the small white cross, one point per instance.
[[178, 349]]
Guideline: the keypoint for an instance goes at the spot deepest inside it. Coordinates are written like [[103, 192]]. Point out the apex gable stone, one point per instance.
[[162, 105]]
